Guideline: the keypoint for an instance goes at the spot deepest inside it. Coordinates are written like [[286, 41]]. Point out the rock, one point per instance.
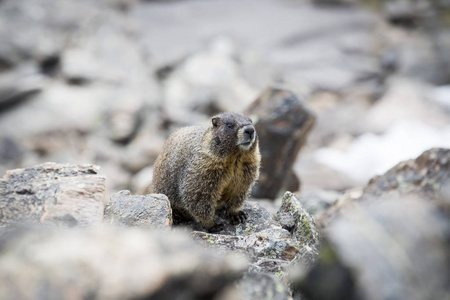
[[206, 83], [292, 182], [40, 33], [405, 100], [294, 218], [329, 271], [112, 263], [140, 182], [424, 45], [73, 67], [291, 39], [258, 219], [318, 201], [255, 286], [426, 177], [269, 247], [335, 2], [268, 252], [387, 249], [283, 123], [60, 194], [10, 150], [123, 125], [317, 176], [371, 154], [144, 211], [411, 14], [142, 152], [18, 85]]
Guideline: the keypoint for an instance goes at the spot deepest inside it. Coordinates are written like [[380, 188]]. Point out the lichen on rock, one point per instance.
[[294, 218]]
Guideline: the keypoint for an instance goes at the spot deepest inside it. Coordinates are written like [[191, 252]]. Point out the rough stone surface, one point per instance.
[[111, 263], [258, 219], [52, 193], [18, 85], [294, 218], [315, 202], [387, 249], [427, 176], [391, 241], [283, 123], [71, 62], [145, 211], [255, 286], [269, 247], [422, 55]]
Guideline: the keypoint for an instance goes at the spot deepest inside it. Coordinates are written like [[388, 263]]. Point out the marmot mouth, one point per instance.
[[245, 145]]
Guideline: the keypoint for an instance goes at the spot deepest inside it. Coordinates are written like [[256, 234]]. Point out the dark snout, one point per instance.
[[246, 137], [249, 132]]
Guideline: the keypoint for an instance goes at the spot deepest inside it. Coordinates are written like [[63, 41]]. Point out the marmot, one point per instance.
[[202, 168]]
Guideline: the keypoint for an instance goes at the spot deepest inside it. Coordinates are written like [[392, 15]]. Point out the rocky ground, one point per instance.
[[351, 100]]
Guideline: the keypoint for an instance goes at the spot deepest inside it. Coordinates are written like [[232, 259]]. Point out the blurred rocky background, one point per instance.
[[352, 103], [105, 82]]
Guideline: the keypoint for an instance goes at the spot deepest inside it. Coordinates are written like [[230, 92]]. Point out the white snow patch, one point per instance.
[[372, 154]]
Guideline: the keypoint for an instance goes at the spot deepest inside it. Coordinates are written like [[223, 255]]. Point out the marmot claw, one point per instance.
[[238, 218]]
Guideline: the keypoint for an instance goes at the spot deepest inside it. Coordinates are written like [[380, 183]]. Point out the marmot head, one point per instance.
[[232, 132]]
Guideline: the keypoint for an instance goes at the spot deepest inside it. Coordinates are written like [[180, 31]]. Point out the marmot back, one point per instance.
[[202, 168]]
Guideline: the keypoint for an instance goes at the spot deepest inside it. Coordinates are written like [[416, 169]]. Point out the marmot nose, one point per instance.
[[249, 131]]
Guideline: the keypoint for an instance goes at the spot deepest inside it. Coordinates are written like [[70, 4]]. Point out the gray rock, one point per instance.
[[267, 251], [288, 37], [315, 202], [269, 247], [255, 286], [388, 249], [144, 211], [142, 151], [426, 177], [112, 263], [41, 28], [283, 123], [258, 219], [390, 242], [86, 51], [206, 83], [10, 150], [294, 218], [423, 55], [123, 125], [60, 194], [18, 85]]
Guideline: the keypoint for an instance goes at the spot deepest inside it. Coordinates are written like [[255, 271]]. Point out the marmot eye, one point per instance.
[[229, 125]]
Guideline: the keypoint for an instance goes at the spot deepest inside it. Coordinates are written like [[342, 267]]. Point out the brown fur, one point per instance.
[[202, 168]]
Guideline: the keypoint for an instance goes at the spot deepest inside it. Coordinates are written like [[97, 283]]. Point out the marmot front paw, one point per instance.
[[238, 218]]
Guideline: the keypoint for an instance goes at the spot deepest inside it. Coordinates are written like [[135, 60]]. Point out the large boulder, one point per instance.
[[427, 176], [387, 249], [389, 242], [62, 194], [283, 122], [111, 263]]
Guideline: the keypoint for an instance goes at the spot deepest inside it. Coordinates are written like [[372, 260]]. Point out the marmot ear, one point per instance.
[[215, 121]]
